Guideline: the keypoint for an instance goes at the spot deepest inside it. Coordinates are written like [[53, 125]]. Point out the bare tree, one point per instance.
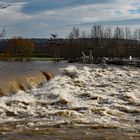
[[83, 34], [74, 42], [118, 42], [107, 41], [128, 44], [136, 34], [118, 33], [3, 5], [56, 43], [97, 32], [98, 43], [108, 32], [74, 34], [127, 33], [2, 34], [136, 42]]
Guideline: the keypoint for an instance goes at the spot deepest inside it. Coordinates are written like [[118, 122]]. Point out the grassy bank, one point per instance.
[[42, 59]]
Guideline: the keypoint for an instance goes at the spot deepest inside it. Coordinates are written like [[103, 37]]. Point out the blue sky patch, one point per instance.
[[34, 6], [40, 18], [135, 11]]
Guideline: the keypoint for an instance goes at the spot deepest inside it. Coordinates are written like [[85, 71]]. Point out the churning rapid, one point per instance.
[[15, 76], [95, 97]]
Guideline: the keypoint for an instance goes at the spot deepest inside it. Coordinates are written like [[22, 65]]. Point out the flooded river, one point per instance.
[[8, 68], [16, 75], [79, 102]]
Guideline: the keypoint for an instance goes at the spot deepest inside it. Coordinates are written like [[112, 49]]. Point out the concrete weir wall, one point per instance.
[[14, 83]]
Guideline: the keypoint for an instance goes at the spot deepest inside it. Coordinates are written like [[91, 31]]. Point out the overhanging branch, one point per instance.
[[3, 4]]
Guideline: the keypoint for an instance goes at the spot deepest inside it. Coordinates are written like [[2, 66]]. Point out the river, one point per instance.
[[79, 102]]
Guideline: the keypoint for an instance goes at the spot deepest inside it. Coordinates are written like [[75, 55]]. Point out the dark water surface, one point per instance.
[[71, 134]]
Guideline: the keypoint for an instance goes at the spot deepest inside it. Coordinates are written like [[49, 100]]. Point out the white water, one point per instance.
[[96, 97]]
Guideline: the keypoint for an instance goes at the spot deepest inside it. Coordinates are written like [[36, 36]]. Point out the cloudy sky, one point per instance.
[[39, 18]]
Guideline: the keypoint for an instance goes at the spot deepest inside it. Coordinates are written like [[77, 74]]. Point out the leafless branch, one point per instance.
[[2, 34], [3, 4]]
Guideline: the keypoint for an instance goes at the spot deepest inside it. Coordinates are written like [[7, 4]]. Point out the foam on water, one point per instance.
[[95, 97]]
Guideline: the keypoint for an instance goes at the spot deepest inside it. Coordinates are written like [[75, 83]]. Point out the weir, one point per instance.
[[24, 81]]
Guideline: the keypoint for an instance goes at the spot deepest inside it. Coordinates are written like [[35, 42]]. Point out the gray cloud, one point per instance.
[[60, 16]]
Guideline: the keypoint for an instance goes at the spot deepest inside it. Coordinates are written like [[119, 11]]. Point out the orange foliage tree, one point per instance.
[[20, 48]]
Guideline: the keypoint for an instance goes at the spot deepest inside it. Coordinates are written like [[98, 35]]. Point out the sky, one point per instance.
[[40, 18]]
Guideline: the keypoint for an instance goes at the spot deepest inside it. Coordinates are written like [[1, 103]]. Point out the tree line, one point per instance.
[[105, 41]]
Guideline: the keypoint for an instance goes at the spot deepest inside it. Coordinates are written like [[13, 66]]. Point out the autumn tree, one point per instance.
[[20, 48]]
